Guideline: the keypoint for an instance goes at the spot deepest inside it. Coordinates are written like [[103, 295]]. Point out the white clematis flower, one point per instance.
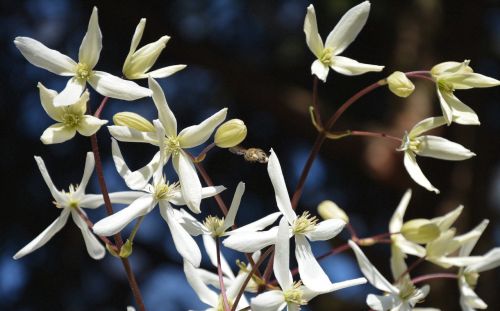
[[175, 143], [159, 192], [70, 202], [292, 295], [451, 76], [414, 143], [328, 55], [138, 62], [83, 71], [70, 119]]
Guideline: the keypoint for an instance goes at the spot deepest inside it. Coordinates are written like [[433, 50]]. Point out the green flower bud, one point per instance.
[[230, 133], [400, 85], [329, 210], [126, 249], [420, 231], [133, 120]]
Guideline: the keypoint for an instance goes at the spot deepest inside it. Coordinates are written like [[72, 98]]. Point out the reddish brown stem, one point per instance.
[[410, 268], [434, 276], [375, 134], [221, 277], [315, 105], [90, 224]]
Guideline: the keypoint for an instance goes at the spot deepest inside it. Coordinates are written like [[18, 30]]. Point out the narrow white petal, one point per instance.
[[206, 192], [371, 273], [94, 247], [87, 172], [119, 220], [211, 250], [57, 133], [491, 260], [235, 204], [136, 38], [446, 67], [396, 221], [426, 125], [109, 85], [469, 297], [467, 247], [313, 39], [258, 224], [45, 236], [415, 172], [41, 56], [320, 70], [91, 46], [382, 303], [272, 300], [441, 148], [126, 134], [311, 273], [348, 28], [249, 243], [345, 284], [184, 243], [279, 185], [350, 67], [192, 226], [461, 113], [408, 247], [282, 256], [196, 135], [47, 100], [205, 294], [447, 262], [398, 264], [462, 81], [445, 106], [56, 194], [234, 287], [89, 125], [326, 230], [71, 93], [165, 115], [165, 71], [122, 197], [190, 183]]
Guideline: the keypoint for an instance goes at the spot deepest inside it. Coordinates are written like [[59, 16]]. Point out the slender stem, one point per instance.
[[204, 152], [91, 225], [433, 276], [352, 231], [210, 183], [249, 277], [136, 227], [410, 268], [418, 72], [133, 284], [375, 134], [269, 268], [420, 76], [317, 114], [221, 278], [98, 112]]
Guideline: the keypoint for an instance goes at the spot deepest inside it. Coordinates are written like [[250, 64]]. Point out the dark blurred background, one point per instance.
[[251, 57]]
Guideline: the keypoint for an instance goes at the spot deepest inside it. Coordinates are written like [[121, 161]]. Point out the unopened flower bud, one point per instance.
[[399, 84], [329, 210], [420, 231], [230, 133], [133, 120], [126, 249]]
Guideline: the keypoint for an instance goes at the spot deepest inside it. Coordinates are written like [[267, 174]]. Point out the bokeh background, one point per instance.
[[251, 57]]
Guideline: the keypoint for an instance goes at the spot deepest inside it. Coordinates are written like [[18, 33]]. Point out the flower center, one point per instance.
[[409, 144], [164, 190], [215, 225], [445, 86], [83, 71], [294, 294], [304, 223], [173, 145], [71, 119], [326, 56], [72, 202]]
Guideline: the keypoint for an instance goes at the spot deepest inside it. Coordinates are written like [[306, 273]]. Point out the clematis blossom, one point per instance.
[[342, 35], [82, 71]]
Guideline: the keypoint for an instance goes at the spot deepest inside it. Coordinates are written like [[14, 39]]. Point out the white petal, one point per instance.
[[203, 291], [91, 46], [397, 218], [344, 284], [469, 297], [136, 38], [415, 172], [272, 300], [45, 236], [211, 250], [446, 67], [249, 243], [94, 248], [279, 185], [87, 172], [382, 303], [206, 192], [491, 260], [258, 224], [281, 266], [470, 80], [467, 247], [445, 106], [350, 67], [311, 273], [320, 70], [196, 135], [326, 230], [165, 71], [313, 39], [190, 183], [119, 220], [426, 125], [441, 148], [122, 197], [408, 247], [108, 85], [398, 265], [126, 134], [57, 133], [89, 125], [461, 113], [47, 100], [41, 56], [348, 28], [165, 115], [235, 204], [56, 194], [192, 226], [184, 243], [371, 273], [71, 93]]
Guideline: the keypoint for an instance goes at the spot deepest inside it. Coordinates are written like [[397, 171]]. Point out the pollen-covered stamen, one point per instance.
[[409, 144], [71, 201], [294, 294], [172, 145], [445, 86], [215, 225], [471, 278], [163, 191], [304, 223], [71, 119], [326, 56], [83, 71]]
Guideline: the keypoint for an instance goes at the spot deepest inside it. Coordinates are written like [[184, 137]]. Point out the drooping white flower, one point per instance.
[[159, 192], [70, 202], [138, 62], [328, 55], [292, 294], [83, 71], [451, 76], [70, 119], [414, 143], [175, 143]]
